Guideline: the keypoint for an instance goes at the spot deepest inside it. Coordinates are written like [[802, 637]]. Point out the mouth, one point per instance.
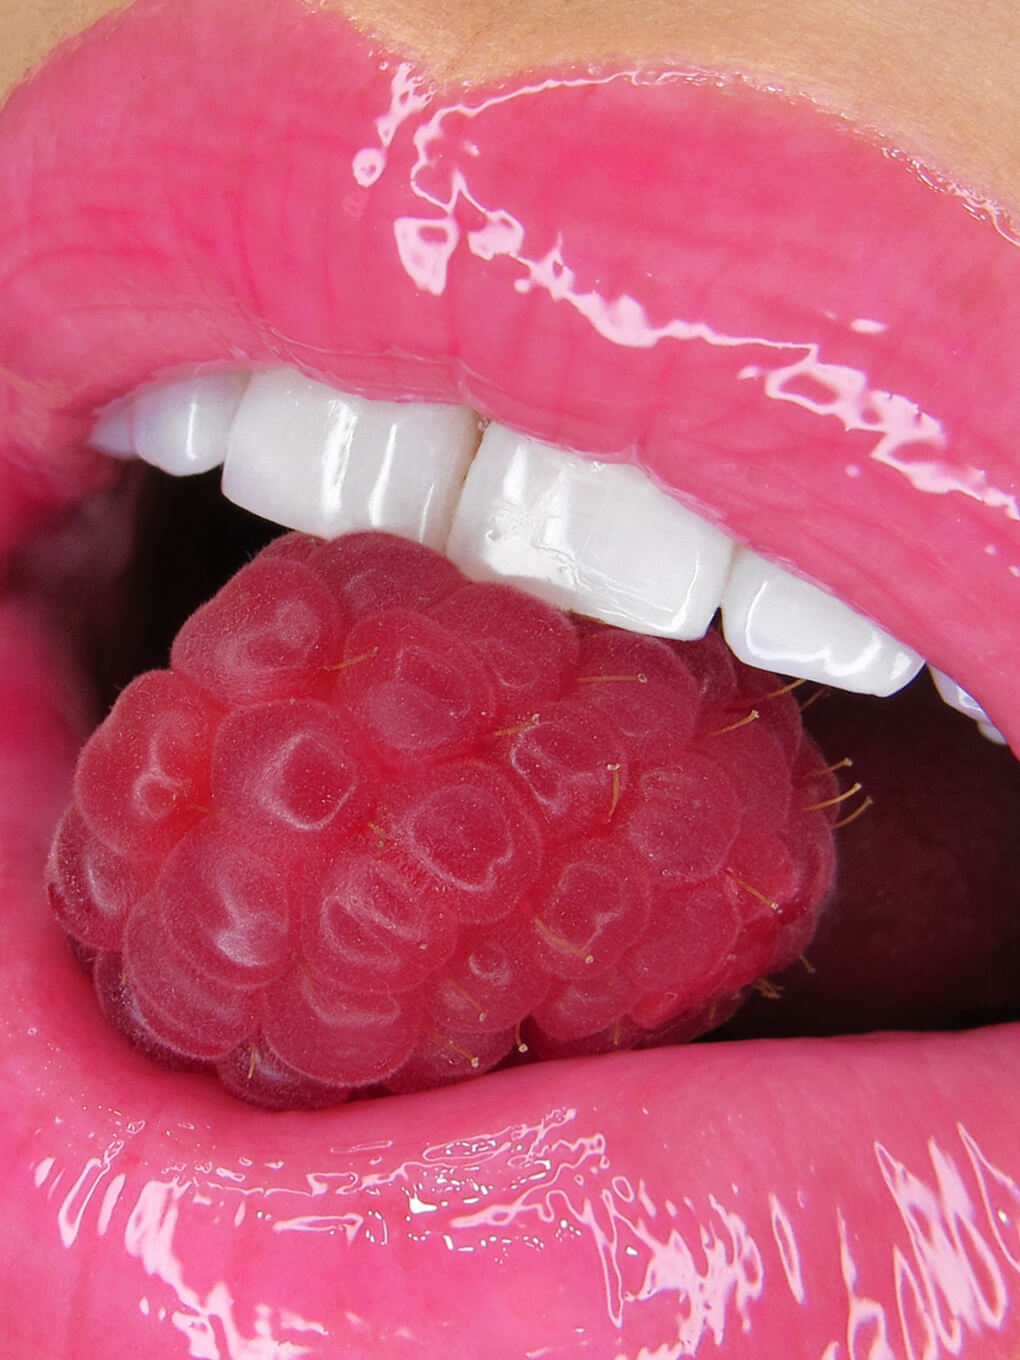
[[731, 327]]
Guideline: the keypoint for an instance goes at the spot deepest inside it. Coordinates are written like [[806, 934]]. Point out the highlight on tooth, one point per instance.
[[327, 463], [181, 427]]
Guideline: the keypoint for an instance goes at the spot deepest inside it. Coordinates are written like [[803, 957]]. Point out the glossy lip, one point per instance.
[[161, 1197]]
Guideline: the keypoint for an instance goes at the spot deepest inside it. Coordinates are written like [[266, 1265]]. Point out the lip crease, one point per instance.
[[724, 286]]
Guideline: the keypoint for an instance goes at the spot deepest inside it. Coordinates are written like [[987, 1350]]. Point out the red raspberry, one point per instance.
[[416, 691], [573, 760], [268, 634], [492, 981], [379, 828], [143, 777], [369, 926], [590, 903]]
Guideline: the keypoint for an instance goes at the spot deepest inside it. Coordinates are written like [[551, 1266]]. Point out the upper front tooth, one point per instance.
[[184, 426], [322, 461], [594, 537], [957, 697], [776, 621], [597, 538], [112, 431], [181, 427]]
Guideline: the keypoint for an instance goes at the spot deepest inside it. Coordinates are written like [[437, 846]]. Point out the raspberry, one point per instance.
[[468, 837], [416, 691], [338, 1035], [143, 777], [591, 903], [378, 828], [368, 573], [293, 775], [573, 761], [531, 651], [369, 926], [492, 981], [267, 635], [93, 887]]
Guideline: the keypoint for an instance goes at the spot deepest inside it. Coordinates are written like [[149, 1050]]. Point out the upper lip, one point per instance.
[[763, 344]]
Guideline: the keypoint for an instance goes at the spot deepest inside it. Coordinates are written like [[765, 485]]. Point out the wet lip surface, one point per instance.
[[635, 1202]]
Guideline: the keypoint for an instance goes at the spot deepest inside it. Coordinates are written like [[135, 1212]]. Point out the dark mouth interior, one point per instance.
[[923, 931]]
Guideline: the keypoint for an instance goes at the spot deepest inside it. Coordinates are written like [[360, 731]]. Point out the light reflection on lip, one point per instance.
[[639, 1203]]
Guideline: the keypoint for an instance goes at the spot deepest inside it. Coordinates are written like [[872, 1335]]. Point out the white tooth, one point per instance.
[[957, 697], [992, 734], [594, 537], [315, 459], [112, 432], [183, 427], [774, 620]]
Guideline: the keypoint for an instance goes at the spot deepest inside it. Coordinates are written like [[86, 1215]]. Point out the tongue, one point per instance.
[[858, 1192], [923, 931]]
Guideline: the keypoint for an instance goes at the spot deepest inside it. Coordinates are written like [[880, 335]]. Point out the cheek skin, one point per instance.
[[936, 80]]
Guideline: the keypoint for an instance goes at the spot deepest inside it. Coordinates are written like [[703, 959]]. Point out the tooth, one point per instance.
[[992, 733], [112, 432], [315, 459], [597, 538], [183, 427], [774, 620], [957, 697]]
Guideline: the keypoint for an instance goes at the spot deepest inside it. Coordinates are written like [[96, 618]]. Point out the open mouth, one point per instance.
[[745, 312]]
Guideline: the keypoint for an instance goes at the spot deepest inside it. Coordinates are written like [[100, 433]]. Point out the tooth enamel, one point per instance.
[[183, 427], [597, 538], [315, 459], [957, 697], [992, 734], [774, 620], [112, 432]]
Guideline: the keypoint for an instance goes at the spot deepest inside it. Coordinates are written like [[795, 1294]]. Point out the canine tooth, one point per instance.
[[594, 537], [992, 734], [957, 697], [774, 620], [112, 432], [183, 427], [315, 459]]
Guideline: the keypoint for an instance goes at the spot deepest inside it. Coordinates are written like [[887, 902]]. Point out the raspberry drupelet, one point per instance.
[[378, 828]]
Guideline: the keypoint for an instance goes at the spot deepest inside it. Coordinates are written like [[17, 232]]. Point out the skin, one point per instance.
[[941, 84]]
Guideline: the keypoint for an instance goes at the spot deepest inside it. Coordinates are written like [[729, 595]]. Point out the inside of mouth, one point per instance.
[[923, 928]]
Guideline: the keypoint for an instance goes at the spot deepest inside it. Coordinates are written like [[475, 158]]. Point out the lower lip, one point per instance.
[[860, 1195]]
